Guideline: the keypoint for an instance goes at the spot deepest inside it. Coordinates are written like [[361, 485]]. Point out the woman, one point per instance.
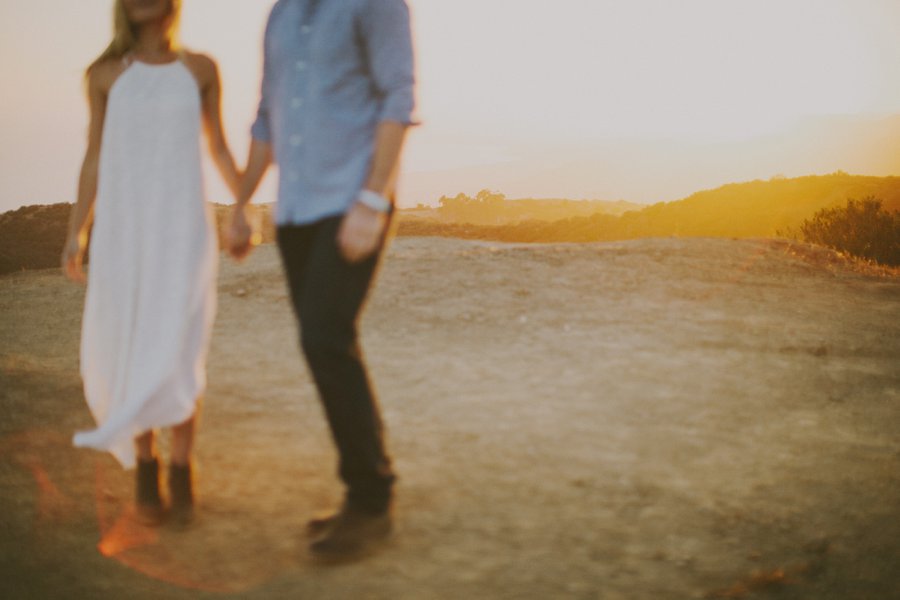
[[150, 298]]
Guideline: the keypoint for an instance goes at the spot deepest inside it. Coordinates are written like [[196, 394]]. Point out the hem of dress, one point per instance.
[[109, 447]]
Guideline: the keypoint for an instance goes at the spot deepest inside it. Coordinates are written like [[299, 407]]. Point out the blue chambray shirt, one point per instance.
[[333, 70]]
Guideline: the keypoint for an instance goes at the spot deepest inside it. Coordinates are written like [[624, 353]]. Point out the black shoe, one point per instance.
[[350, 534], [181, 492], [149, 509]]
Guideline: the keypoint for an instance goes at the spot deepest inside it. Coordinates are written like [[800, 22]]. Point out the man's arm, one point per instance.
[[362, 229], [240, 233], [389, 140], [387, 36]]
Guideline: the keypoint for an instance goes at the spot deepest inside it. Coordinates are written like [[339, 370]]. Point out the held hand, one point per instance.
[[361, 232], [72, 259], [239, 237]]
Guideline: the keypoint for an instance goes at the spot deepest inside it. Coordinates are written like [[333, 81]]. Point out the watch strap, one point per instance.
[[374, 200]]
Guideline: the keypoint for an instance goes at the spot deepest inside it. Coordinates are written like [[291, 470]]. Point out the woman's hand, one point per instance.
[[239, 237], [73, 259], [361, 232]]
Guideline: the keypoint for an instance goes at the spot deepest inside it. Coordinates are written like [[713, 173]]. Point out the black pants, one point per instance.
[[328, 294]]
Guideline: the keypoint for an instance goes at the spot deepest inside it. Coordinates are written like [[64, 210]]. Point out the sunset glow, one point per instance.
[[697, 69], [501, 81]]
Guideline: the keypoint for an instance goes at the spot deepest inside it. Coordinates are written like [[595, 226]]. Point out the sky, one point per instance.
[[571, 98]]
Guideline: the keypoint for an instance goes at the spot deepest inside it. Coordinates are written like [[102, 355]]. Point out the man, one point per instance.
[[337, 97]]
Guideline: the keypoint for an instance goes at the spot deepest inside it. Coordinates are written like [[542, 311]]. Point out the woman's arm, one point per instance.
[[212, 122], [240, 233], [82, 212]]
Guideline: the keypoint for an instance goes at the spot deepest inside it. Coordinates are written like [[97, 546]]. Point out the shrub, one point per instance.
[[32, 237], [861, 228]]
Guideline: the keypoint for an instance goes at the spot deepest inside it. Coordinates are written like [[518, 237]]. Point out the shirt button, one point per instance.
[[293, 177], [305, 29], [296, 102], [300, 65], [295, 140]]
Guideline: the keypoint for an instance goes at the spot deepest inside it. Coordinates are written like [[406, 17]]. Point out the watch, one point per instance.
[[374, 200]]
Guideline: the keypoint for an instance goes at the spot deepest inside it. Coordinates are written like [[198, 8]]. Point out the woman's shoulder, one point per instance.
[[199, 60], [202, 65], [104, 73]]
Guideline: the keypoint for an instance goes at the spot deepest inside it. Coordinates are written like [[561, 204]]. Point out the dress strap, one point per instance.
[[182, 57]]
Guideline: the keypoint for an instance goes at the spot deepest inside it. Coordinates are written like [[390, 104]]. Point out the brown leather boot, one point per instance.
[[149, 508], [320, 524], [350, 534], [181, 492]]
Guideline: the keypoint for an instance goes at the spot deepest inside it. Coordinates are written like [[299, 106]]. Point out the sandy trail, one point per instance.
[[655, 419]]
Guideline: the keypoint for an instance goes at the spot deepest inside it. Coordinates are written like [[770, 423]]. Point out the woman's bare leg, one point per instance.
[[146, 446], [183, 441]]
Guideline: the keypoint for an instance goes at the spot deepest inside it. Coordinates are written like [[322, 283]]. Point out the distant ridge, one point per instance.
[[652, 170], [759, 208], [32, 237], [764, 208]]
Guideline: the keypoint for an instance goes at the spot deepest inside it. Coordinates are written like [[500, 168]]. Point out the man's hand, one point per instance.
[[361, 232], [239, 236]]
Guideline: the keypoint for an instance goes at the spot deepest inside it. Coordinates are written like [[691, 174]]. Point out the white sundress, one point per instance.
[[150, 300]]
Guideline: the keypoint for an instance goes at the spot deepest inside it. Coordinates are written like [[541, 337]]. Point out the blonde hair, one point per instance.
[[125, 34]]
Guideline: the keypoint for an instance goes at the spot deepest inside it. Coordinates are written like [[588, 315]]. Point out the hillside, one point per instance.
[[32, 237], [493, 208], [742, 210], [759, 208]]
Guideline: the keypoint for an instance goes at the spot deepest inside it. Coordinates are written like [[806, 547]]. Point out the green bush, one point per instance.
[[861, 228]]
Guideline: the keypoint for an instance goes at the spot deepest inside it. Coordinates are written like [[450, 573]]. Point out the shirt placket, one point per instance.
[[299, 95]]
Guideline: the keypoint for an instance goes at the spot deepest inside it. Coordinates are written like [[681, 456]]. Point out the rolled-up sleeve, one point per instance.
[[261, 129], [387, 35]]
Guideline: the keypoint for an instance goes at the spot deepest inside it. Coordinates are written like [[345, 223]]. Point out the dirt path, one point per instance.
[[658, 419]]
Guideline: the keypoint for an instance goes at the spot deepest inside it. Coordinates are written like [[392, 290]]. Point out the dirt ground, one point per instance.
[[653, 419]]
